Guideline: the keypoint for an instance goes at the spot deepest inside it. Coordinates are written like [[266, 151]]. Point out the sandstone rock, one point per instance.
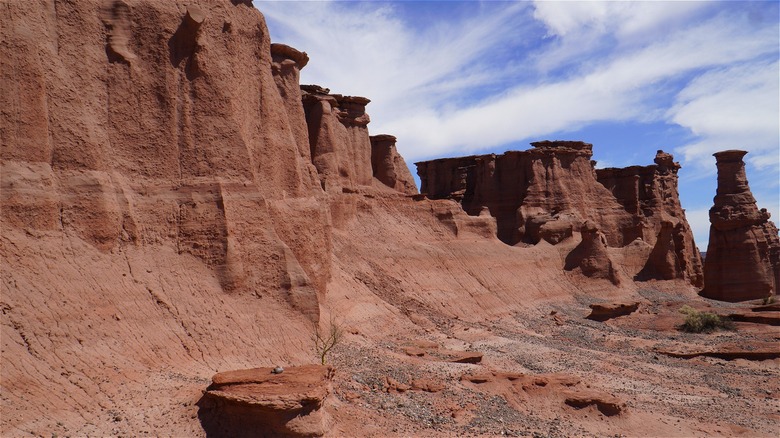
[[605, 311], [524, 190], [547, 192], [743, 256], [605, 403], [259, 402], [464, 356], [591, 256], [650, 194], [747, 351], [765, 317], [286, 68], [389, 167], [427, 385], [338, 137]]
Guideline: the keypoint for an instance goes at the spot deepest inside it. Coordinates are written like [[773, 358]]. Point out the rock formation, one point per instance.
[[338, 136], [549, 191], [743, 256], [163, 218], [261, 402], [552, 185], [389, 166], [649, 193], [591, 256]]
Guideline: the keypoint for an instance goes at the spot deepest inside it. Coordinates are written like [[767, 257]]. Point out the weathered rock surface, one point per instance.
[[162, 217], [606, 311], [591, 257], [389, 166], [548, 192], [743, 256], [650, 195], [338, 137], [552, 183], [258, 402]]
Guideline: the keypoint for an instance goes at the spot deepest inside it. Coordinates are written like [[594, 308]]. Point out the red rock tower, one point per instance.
[[742, 256]]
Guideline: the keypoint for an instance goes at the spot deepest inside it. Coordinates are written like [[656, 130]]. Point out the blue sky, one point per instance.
[[457, 78]]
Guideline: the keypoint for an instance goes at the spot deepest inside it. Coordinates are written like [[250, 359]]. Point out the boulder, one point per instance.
[[605, 311], [743, 256], [258, 402]]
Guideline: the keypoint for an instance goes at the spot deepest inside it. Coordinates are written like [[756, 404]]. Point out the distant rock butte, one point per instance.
[[547, 192], [743, 256]]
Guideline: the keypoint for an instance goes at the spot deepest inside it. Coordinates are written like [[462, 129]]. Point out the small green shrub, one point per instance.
[[768, 300], [703, 322]]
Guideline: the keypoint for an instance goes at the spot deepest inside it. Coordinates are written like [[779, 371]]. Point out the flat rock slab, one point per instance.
[[259, 402], [606, 311], [753, 351], [765, 317]]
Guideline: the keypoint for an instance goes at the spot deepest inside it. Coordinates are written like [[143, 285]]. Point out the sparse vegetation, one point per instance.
[[768, 300], [703, 322], [325, 340]]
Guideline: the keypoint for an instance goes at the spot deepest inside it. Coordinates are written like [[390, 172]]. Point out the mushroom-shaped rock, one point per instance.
[[743, 256], [282, 52], [259, 402]]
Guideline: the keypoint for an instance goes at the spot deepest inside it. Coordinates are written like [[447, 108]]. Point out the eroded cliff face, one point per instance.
[[548, 192], [650, 195], [743, 256], [389, 166]]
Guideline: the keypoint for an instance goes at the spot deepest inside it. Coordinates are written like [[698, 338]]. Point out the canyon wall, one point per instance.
[[743, 256], [549, 191]]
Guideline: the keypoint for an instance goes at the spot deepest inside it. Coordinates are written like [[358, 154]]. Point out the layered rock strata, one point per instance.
[[743, 256], [548, 192]]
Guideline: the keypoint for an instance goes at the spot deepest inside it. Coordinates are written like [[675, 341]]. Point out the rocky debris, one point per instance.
[[606, 404], [605, 311], [567, 389], [433, 351], [591, 256], [389, 166], [743, 256], [260, 402]]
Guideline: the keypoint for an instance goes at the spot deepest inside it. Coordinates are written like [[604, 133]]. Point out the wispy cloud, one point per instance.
[[451, 78]]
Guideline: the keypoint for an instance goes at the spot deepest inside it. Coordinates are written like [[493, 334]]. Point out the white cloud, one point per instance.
[[732, 108], [624, 19]]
